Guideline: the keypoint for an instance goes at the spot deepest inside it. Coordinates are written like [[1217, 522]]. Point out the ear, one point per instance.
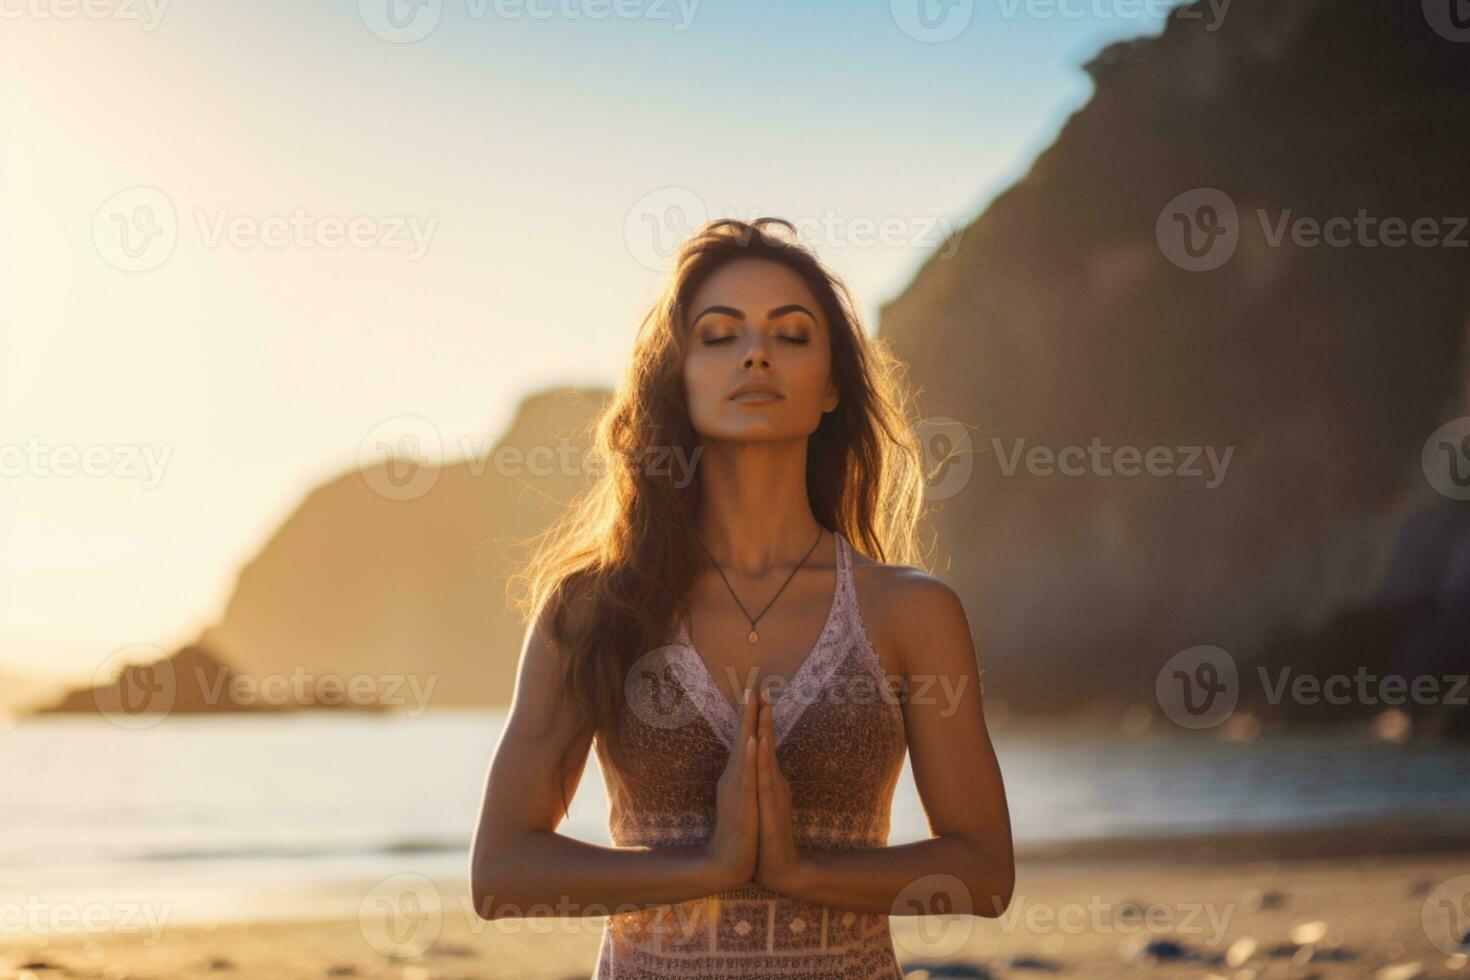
[[831, 398]]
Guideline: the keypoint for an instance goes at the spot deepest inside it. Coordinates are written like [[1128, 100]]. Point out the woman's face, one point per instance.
[[755, 321]]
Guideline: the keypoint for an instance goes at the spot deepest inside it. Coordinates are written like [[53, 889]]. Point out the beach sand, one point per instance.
[[1228, 912]]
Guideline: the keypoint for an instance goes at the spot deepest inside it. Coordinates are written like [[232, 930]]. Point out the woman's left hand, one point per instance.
[[778, 865]]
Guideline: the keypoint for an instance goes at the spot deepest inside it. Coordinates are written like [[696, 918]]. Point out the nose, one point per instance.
[[756, 356]]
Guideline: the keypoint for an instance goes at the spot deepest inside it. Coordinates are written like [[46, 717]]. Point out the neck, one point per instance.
[[754, 514]]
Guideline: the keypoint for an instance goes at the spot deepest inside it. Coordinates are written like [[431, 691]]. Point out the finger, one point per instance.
[[748, 711], [767, 790], [776, 778], [748, 765]]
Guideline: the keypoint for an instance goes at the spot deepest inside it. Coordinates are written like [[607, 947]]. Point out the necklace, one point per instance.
[[753, 636]]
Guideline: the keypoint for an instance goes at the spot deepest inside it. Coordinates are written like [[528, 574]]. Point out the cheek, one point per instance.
[[808, 375], [704, 382]]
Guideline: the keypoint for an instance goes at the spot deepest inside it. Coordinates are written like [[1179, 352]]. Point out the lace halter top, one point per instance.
[[839, 742]]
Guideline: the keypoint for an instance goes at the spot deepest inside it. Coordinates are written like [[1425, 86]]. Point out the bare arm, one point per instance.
[[969, 863], [519, 865]]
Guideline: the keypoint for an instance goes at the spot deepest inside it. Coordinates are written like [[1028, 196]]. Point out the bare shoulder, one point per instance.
[[910, 615]]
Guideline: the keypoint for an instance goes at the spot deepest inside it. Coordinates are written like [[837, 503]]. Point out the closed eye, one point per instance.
[[715, 341]]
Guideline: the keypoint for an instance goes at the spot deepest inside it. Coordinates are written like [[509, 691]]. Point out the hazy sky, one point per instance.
[[238, 237]]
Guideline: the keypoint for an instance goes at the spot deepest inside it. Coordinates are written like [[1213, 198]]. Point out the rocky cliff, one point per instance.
[[1155, 282]]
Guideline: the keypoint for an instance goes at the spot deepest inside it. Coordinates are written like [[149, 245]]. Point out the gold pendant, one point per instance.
[[751, 637]]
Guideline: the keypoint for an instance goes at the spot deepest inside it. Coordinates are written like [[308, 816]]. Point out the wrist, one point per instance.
[[713, 874], [802, 874], [794, 878]]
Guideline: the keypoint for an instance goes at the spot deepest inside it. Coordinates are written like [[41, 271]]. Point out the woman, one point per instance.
[[756, 439]]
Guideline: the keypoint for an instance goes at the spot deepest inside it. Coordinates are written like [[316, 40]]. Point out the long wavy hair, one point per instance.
[[627, 544]]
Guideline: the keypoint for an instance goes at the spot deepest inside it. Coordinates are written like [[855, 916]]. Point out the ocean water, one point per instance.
[[245, 817]]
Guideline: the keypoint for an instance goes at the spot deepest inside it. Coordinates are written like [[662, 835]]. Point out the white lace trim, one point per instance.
[[813, 675]]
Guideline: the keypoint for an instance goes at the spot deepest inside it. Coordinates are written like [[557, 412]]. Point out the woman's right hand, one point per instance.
[[732, 850]]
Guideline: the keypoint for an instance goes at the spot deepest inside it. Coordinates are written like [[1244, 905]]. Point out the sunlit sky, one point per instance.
[[212, 378]]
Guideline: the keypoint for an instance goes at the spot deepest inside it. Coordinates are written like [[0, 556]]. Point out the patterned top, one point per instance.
[[840, 742]]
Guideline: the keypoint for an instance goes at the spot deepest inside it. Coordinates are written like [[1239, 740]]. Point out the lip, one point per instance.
[[767, 391]]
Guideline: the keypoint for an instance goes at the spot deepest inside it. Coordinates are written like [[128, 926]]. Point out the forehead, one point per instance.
[[755, 286]]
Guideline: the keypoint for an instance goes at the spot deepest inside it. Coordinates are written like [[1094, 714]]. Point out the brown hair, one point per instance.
[[627, 544]]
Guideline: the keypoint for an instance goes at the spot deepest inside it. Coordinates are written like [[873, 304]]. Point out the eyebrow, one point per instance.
[[740, 314]]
